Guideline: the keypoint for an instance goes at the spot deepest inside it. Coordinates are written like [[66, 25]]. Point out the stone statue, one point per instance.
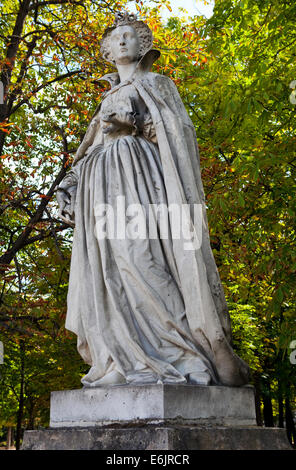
[[145, 309]]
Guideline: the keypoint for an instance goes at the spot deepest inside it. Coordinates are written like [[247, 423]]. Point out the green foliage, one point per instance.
[[246, 129]]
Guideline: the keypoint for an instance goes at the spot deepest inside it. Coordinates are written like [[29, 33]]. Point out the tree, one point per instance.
[[247, 136]]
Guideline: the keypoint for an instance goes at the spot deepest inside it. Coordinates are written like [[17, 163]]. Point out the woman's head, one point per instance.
[[124, 44], [127, 41]]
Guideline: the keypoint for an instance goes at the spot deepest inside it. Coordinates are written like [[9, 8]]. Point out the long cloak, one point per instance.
[[206, 308]]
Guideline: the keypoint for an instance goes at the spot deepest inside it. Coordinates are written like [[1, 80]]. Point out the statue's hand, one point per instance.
[[119, 120], [63, 199], [122, 118], [65, 212]]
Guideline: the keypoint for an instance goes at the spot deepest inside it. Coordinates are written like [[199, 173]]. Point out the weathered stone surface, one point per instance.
[[158, 438], [145, 298], [155, 404]]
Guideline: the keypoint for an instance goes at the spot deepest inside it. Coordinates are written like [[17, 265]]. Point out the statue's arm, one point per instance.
[[91, 139], [66, 195], [66, 191]]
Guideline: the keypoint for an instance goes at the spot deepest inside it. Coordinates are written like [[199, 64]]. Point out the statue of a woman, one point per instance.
[[145, 310]]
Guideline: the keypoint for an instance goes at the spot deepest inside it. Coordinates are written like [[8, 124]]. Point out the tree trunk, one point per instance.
[[267, 406], [9, 438], [281, 409], [11, 52], [21, 396], [31, 410], [290, 425], [267, 412], [258, 400]]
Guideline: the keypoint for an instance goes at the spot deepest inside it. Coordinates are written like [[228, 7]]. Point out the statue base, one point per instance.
[[153, 404], [154, 417], [150, 437]]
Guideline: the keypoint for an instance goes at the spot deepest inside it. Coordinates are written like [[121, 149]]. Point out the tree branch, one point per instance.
[[10, 60], [44, 85], [54, 2], [22, 240]]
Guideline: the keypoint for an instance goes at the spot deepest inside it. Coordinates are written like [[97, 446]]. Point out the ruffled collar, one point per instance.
[[143, 66]]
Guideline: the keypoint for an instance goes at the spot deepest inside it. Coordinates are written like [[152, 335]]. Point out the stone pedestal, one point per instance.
[[155, 438], [152, 404], [154, 417]]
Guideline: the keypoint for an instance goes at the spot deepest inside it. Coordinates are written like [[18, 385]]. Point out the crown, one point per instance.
[[124, 18]]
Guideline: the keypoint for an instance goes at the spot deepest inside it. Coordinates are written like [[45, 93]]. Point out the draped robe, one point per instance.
[[149, 309]]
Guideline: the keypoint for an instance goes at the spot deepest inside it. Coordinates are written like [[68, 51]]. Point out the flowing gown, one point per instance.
[[125, 301]]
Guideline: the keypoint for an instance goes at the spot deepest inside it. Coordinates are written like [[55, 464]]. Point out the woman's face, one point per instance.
[[124, 45]]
